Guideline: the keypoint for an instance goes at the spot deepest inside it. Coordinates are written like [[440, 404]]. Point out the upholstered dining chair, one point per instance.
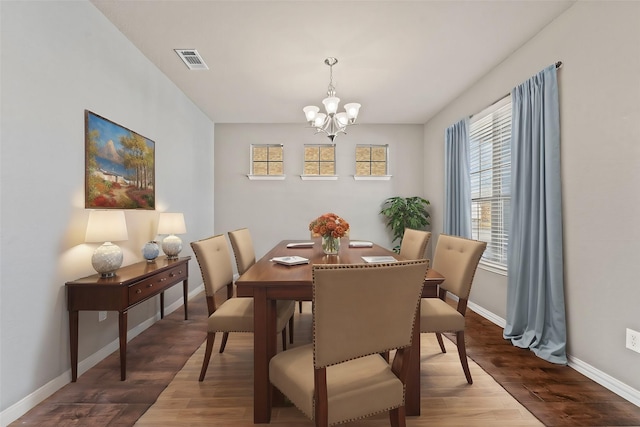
[[234, 314], [341, 376], [245, 256], [414, 243], [457, 259]]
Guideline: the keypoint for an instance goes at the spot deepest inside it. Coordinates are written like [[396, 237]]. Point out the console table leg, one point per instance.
[[185, 293], [73, 340], [162, 305], [122, 327]]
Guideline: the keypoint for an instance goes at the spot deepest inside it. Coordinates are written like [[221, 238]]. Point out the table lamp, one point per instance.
[[106, 226], [171, 224]]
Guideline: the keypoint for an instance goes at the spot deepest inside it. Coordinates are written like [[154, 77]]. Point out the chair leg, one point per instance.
[[211, 337], [462, 352], [439, 337], [300, 306], [223, 344], [291, 330], [397, 417], [284, 339]]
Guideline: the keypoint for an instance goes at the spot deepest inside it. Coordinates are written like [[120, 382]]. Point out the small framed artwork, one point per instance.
[[119, 166]]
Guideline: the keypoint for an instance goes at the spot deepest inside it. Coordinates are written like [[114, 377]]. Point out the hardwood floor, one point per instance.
[[556, 395]]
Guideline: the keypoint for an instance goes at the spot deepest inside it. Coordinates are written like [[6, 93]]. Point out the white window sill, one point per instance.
[[319, 177], [498, 269], [266, 177], [372, 178]]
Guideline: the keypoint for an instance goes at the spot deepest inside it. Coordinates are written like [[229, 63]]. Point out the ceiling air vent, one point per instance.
[[192, 59]]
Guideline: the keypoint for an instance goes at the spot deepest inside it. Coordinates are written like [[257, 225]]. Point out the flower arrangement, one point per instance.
[[329, 225]]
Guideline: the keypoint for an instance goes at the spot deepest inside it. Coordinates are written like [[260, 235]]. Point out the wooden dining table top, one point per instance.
[[267, 273]]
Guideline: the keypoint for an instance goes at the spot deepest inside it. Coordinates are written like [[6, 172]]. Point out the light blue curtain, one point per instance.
[[457, 181], [535, 294]]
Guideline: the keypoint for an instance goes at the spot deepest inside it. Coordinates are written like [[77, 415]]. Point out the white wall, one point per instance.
[[277, 210], [599, 44], [58, 59]]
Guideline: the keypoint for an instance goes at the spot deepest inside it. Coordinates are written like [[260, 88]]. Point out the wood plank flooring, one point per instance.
[[555, 395]]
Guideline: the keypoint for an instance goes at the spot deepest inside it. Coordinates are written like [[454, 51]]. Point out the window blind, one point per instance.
[[490, 155]]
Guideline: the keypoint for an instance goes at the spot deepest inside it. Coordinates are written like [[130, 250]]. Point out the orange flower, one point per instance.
[[329, 224]]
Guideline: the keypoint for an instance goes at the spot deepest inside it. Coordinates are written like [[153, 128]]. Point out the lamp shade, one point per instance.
[[171, 223], [106, 226]]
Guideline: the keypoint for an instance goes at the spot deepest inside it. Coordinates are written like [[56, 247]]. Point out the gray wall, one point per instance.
[[58, 59], [276, 210], [599, 44]]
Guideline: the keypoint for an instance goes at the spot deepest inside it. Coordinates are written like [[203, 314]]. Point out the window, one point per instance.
[[371, 160], [490, 152], [320, 160], [267, 159]]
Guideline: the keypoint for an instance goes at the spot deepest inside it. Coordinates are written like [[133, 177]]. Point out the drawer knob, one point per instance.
[[172, 275], [163, 279], [139, 291], [150, 285]]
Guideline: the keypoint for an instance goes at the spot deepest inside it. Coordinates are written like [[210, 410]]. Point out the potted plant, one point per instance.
[[401, 213]]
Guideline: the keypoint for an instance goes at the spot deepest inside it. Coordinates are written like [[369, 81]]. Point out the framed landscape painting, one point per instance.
[[119, 166]]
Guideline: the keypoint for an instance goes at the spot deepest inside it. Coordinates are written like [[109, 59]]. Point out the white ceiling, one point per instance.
[[402, 60]]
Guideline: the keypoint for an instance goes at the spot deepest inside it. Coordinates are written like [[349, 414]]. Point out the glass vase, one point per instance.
[[330, 245]]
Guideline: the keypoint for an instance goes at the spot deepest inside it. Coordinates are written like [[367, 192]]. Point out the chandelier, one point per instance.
[[331, 122]]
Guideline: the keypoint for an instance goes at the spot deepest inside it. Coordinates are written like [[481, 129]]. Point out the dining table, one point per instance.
[[267, 281]]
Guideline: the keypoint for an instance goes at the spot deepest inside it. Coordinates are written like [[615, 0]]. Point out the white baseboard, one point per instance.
[[605, 380], [23, 406]]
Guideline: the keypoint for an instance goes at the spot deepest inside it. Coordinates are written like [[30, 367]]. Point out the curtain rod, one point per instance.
[[558, 65]]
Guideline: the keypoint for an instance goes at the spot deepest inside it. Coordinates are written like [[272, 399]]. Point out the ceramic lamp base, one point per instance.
[[107, 259], [171, 246]]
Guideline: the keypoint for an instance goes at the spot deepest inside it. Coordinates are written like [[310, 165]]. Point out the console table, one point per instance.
[[130, 286]]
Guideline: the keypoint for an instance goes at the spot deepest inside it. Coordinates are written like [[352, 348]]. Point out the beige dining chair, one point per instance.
[[341, 376], [245, 256], [457, 259], [414, 243], [234, 314]]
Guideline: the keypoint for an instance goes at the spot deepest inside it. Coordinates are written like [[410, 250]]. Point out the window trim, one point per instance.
[[319, 177], [371, 177], [487, 264], [258, 177]]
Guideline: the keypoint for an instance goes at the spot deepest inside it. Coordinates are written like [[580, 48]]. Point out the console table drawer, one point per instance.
[[156, 284]]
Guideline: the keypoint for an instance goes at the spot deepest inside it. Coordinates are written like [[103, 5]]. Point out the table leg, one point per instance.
[[264, 348], [73, 340], [185, 294], [122, 330], [412, 398]]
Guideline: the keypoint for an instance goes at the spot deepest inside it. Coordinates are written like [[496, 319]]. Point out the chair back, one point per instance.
[[242, 249], [457, 258], [414, 243], [364, 309], [215, 263]]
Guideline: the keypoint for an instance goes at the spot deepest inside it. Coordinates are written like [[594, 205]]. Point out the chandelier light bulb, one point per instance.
[[342, 119], [319, 120], [331, 104], [310, 112], [352, 110]]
